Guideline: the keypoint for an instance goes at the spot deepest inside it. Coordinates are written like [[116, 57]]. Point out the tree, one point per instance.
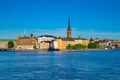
[[76, 46], [93, 45], [69, 46], [79, 46], [10, 44], [79, 37]]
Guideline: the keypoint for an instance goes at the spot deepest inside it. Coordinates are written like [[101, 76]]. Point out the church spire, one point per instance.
[[18, 36], [69, 24], [69, 31]]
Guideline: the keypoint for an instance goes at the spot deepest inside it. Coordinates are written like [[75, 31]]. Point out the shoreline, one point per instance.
[[82, 50], [72, 50]]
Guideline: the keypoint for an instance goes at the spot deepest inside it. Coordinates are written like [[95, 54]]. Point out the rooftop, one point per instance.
[[47, 36]]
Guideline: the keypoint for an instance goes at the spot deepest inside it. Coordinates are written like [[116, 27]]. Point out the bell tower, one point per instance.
[[69, 31]]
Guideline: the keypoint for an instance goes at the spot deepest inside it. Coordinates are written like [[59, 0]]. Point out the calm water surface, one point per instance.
[[88, 65]]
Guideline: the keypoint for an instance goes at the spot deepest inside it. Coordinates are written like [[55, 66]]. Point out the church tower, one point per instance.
[[69, 31]]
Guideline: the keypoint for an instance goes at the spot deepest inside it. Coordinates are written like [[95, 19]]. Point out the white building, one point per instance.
[[54, 44], [44, 38], [79, 41]]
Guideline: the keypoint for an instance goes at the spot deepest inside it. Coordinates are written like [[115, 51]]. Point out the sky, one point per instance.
[[89, 18]]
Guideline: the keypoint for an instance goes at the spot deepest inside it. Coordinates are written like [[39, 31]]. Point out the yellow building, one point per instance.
[[62, 43], [85, 42]]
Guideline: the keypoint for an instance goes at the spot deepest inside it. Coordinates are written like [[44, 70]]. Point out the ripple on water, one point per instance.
[[90, 65]]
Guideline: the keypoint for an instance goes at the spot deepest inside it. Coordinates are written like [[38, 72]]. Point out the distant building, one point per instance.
[[62, 43], [45, 45], [26, 42], [103, 45], [45, 42], [44, 38], [115, 44], [4, 43], [54, 44], [106, 44]]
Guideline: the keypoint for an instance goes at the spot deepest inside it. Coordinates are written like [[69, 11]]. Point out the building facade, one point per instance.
[[63, 43], [26, 42], [44, 38], [54, 44], [115, 44], [4, 44], [45, 42]]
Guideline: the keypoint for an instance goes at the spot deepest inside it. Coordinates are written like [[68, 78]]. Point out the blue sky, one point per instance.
[[98, 17]]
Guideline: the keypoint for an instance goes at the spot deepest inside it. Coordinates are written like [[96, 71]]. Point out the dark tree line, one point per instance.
[[76, 46], [80, 46]]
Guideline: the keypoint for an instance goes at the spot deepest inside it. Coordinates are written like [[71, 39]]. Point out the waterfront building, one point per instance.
[[103, 45], [26, 42], [85, 42], [44, 38], [4, 43], [115, 44], [54, 44], [45, 42], [62, 43], [44, 46], [106, 44]]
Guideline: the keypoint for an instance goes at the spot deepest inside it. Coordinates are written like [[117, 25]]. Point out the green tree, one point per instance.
[[69, 46], [76, 46], [93, 45], [10, 44], [79, 46]]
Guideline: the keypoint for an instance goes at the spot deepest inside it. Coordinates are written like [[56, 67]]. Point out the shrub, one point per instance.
[[10, 44]]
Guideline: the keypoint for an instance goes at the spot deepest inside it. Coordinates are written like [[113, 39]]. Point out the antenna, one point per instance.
[[24, 33], [91, 35]]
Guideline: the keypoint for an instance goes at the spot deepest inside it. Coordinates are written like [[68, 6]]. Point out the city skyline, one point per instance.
[[89, 17]]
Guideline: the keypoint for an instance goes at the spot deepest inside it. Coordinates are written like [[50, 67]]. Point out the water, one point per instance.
[[88, 65]]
